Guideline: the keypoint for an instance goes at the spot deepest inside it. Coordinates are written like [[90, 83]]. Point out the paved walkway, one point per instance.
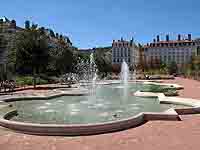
[[191, 87], [154, 135]]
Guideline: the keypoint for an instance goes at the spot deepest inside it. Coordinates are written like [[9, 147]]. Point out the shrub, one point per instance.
[[167, 90], [171, 93], [28, 80]]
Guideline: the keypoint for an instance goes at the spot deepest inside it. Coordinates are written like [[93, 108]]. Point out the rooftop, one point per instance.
[[168, 42]]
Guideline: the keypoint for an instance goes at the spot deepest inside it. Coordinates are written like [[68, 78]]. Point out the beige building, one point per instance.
[[124, 51], [180, 50], [8, 30]]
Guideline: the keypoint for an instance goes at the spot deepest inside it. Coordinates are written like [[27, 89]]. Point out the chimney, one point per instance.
[[189, 37], [131, 41], [158, 38], [154, 40], [57, 35], [13, 24], [113, 42], [122, 39], [179, 37], [167, 37]]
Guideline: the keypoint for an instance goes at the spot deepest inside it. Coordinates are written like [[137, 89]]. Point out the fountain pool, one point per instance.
[[109, 105]]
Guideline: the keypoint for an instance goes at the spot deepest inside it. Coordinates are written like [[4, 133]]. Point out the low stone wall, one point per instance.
[[82, 129], [187, 111], [51, 129]]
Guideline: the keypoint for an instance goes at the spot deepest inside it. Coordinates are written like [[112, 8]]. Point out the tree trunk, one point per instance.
[[34, 77]]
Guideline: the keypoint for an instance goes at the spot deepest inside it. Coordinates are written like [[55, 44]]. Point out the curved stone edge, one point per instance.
[[194, 104], [177, 86], [41, 97], [83, 129]]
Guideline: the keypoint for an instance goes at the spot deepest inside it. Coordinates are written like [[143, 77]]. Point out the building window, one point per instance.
[[125, 53], [169, 58], [198, 51], [129, 52]]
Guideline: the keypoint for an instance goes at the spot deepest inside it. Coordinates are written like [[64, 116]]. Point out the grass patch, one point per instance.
[[28, 80], [167, 90]]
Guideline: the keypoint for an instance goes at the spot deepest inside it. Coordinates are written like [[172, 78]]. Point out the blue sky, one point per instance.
[[93, 23]]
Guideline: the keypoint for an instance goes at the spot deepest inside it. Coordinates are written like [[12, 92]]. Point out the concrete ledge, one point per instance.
[[82, 129], [170, 114], [42, 97], [193, 104], [178, 87], [187, 111], [56, 129]]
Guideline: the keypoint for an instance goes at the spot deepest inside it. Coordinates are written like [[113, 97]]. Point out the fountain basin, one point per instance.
[[87, 127], [82, 129], [108, 104]]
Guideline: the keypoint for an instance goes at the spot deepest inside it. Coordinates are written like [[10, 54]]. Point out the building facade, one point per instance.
[[124, 51], [8, 30], [179, 51]]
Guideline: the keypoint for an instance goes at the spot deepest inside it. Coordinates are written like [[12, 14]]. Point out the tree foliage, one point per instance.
[[103, 59], [172, 67], [62, 58], [30, 54]]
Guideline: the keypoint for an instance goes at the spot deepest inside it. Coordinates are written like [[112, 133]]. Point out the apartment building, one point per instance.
[[180, 50], [8, 30], [123, 50]]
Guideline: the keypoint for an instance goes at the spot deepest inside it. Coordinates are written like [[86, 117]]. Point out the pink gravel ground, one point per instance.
[[154, 135], [191, 87]]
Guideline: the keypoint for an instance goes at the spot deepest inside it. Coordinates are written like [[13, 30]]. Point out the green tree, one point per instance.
[[172, 67], [62, 57], [163, 68], [103, 59], [27, 24], [52, 34], [32, 50]]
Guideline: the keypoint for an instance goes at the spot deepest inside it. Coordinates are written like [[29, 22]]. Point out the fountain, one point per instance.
[[124, 77], [93, 76]]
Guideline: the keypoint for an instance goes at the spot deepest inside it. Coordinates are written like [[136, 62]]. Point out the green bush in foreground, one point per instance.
[[168, 91]]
